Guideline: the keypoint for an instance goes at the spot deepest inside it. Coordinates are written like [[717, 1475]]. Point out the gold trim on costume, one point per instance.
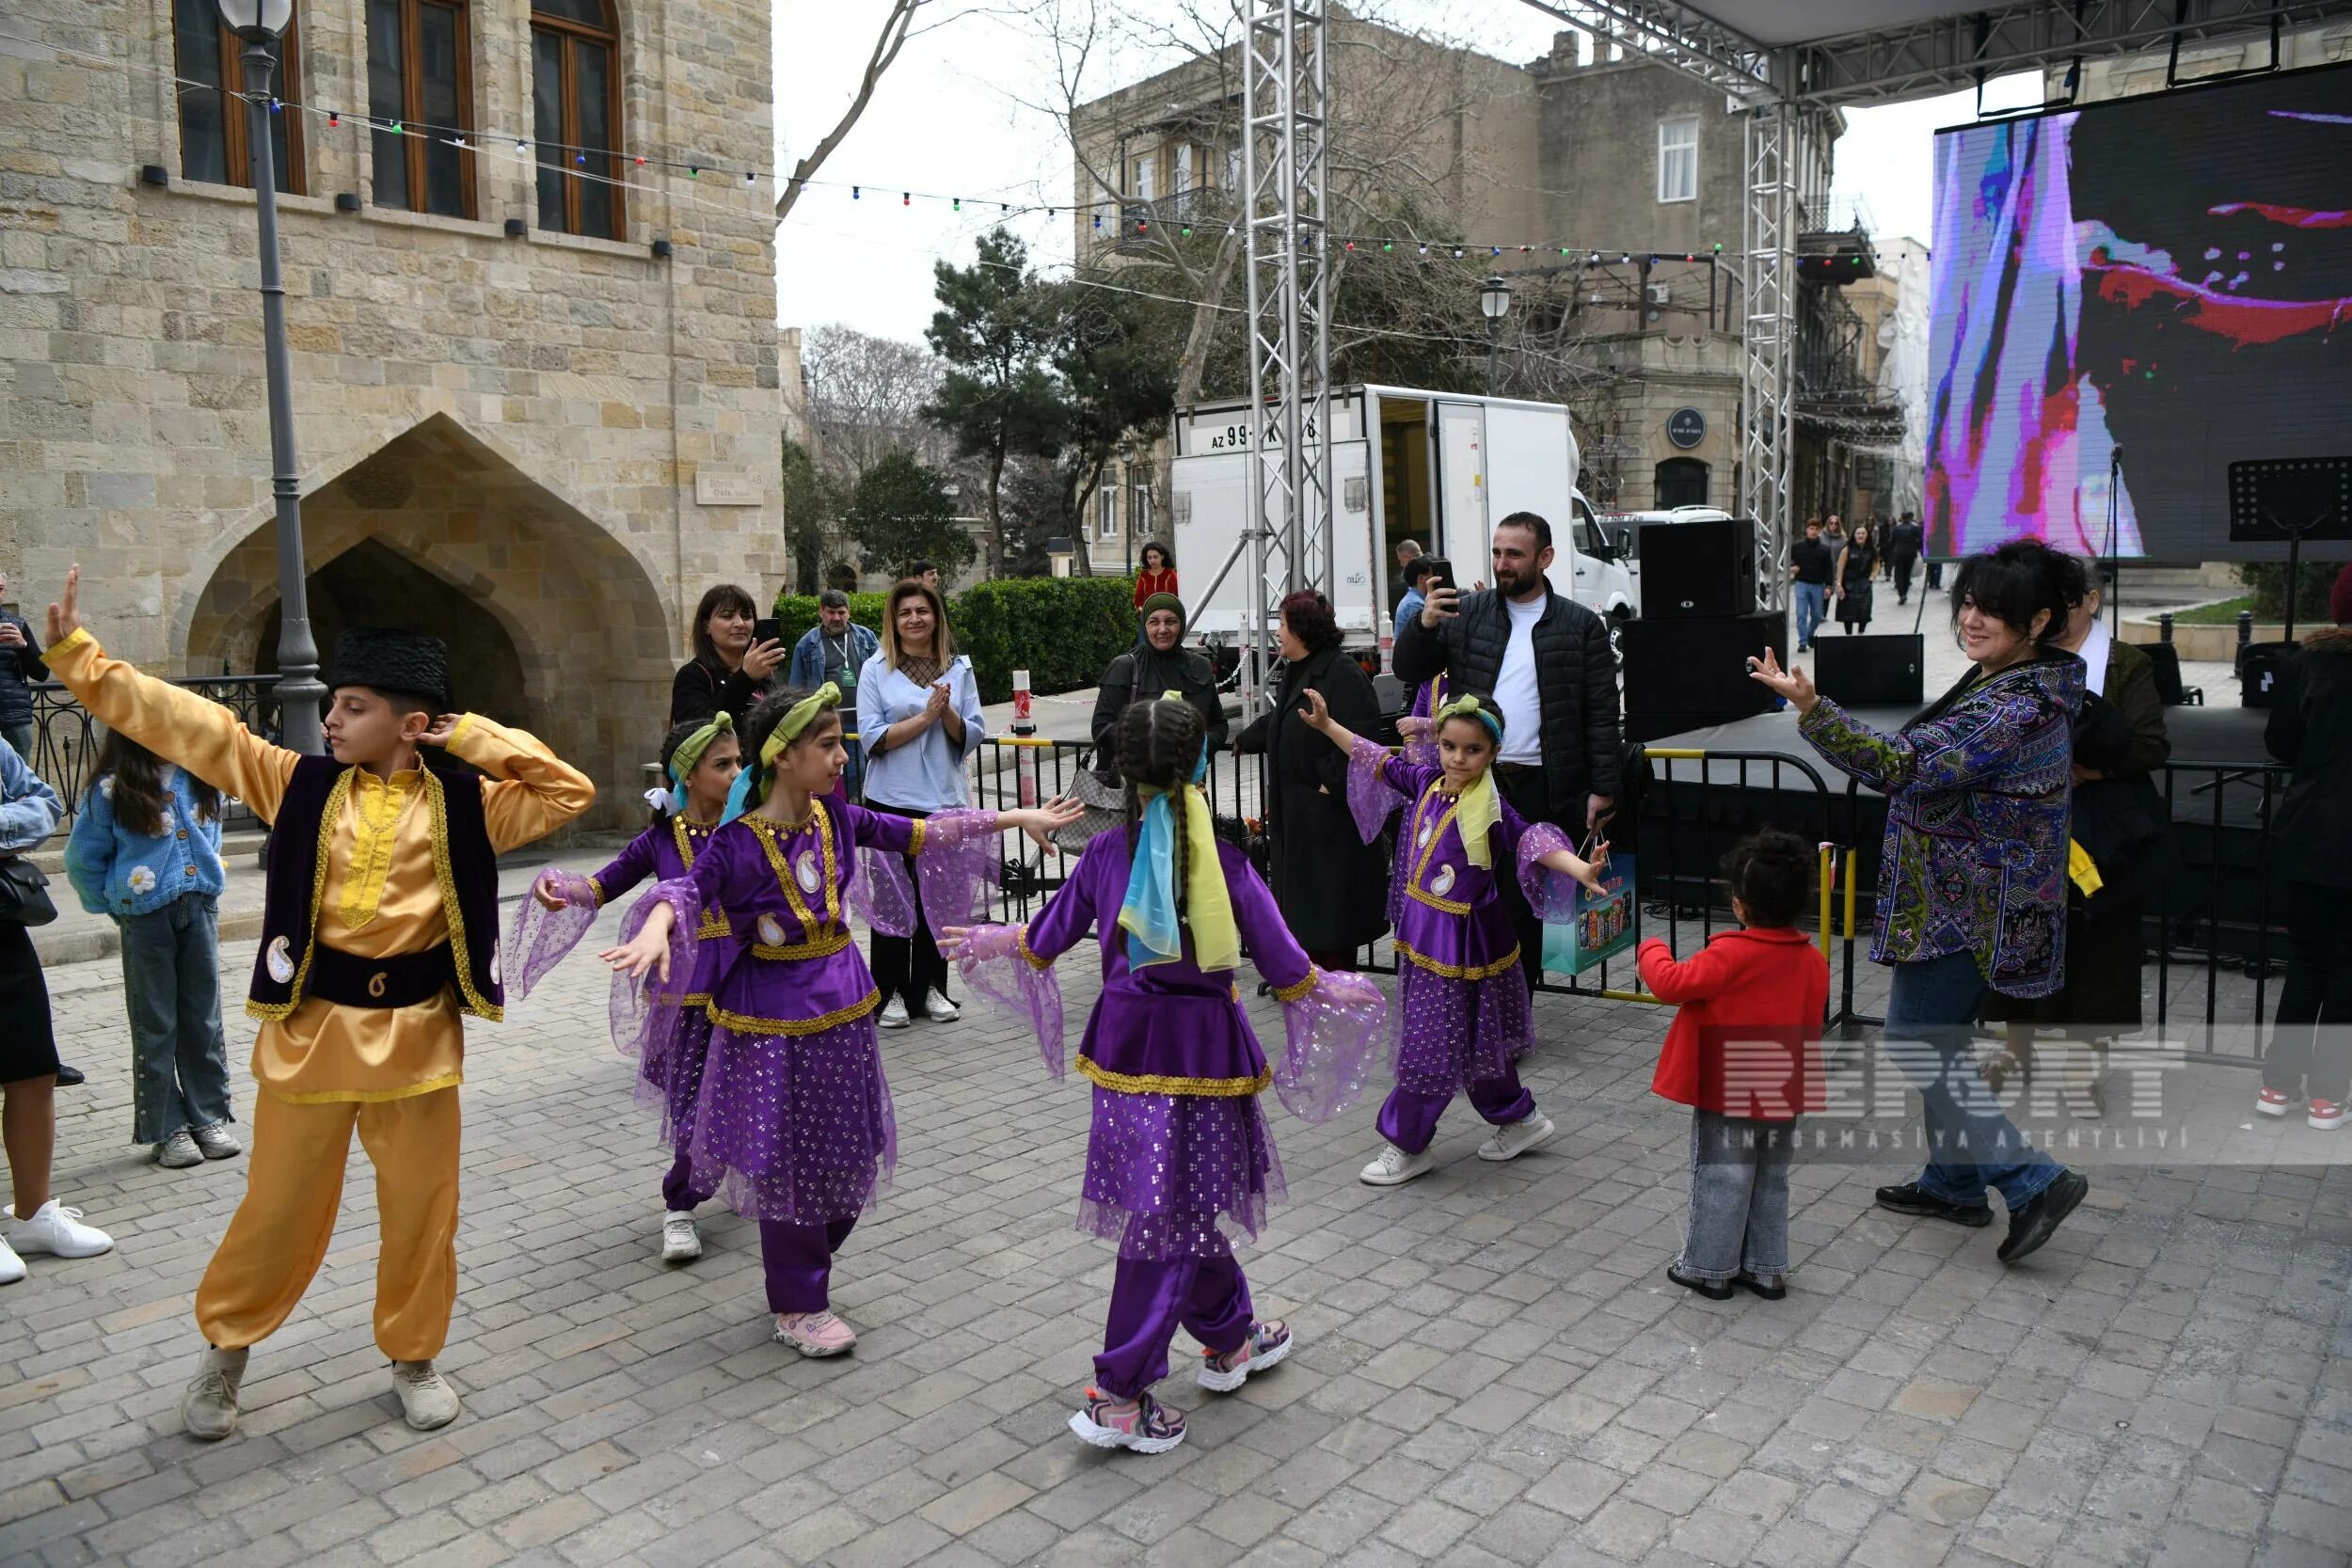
[[1021, 943], [823, 947], [436, 805], [367, 1097], [714, 921], [767, 831], [914, 845], [1461, 971], [377, 807], [743, 1024], [1153, 1083], [269, 1012], [1292, 993], [691, 999], [1443, 905], [597, 888]]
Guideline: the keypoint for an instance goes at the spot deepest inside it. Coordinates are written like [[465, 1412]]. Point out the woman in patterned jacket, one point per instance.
[[1972, 878]]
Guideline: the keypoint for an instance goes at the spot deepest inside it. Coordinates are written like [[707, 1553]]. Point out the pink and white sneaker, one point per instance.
[[2328, 1115], [1268, 1342], [2270, 1103], [1146, 1426], [815, 1334]]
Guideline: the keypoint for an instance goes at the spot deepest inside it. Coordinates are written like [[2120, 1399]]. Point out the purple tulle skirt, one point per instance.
[[1175, 1175], [1451, 1032], [793, 1128]]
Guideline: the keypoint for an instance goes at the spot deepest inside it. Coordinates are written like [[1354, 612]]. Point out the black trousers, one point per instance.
[[1529, 795], [906, 967], [1903, 565], [2313, 1036]]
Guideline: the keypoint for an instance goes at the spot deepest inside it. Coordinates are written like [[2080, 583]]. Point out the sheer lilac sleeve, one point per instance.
[[999, 966], [959, 859], [1550, 895], [1371, 796], [1332, 1025], [645, 1012], [880, 893], [540, 937]]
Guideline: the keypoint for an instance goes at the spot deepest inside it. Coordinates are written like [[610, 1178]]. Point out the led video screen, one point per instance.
[[2168, 276]]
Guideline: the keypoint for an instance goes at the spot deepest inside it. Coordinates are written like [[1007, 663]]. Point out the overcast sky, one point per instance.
[[956, 116]]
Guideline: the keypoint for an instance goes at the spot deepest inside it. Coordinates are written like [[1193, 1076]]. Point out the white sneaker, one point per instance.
[[209, 1408], [939, 1010], [1394, 1167], [1514, 1138], [57, 1231], [425, 1397], [681, 1238], [894, 1014], [217, 1142], [11, 1266], [179, 1151]]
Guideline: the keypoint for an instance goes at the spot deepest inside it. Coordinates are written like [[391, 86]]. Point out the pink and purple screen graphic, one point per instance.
[[2171, 276]]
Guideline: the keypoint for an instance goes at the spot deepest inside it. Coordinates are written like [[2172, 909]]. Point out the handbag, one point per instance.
[[1105, 808], [24, 892], [1604, 924]]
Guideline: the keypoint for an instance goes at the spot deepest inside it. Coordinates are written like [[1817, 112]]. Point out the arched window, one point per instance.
[[420, 78], [1681, 481], [215, 143], [576, 115]]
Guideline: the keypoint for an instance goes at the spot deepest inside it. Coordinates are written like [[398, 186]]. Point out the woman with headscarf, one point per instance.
[[1155, 666]]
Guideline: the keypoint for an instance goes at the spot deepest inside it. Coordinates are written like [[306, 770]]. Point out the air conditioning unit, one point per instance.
[[1660, 294]]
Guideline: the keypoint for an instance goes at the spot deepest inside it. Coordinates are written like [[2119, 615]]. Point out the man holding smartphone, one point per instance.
[[19, 666], [1545, 661], [833, 650]]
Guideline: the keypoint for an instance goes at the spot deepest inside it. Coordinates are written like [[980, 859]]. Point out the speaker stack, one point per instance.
[[1686, 657]]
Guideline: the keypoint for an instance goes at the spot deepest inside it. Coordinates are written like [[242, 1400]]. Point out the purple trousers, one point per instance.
[[678, 1192], [799, 1262], [1149, 1299], [1409, 1120]]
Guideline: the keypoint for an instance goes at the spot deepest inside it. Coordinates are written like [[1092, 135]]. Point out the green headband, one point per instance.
[[690, 750], [789, 728], [1468, 706]]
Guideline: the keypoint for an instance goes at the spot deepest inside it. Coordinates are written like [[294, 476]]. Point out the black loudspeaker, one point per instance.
[[1688, 674], [2259, 667], [1888, 671], [1698, 569]]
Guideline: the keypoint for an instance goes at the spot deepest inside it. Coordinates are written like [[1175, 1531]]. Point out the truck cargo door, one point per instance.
[[1462, 526]]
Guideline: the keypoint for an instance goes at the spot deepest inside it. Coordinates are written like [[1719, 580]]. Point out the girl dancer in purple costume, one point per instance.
[[1462, 1015], [793, 1118], [1179, 1152], [701, 759]]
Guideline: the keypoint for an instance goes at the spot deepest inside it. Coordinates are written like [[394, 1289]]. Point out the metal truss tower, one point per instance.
[[1769, 341], [1286, 123]]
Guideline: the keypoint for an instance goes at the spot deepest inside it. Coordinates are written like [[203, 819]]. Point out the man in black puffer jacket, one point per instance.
[[1547, 661]]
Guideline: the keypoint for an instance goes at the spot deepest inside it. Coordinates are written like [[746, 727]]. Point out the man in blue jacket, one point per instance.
[[19, 666], [835, 649]]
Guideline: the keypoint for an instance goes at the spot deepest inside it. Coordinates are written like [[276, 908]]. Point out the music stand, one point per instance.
[[2292, 499]]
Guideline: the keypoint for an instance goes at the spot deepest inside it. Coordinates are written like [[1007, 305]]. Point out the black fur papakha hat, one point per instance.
[[389, 659]]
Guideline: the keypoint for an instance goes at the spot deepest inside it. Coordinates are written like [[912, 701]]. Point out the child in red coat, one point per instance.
[[1744, 1054]]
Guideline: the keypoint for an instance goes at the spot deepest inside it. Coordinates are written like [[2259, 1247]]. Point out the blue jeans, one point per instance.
[[1812, 606], [1972, 1143], [171, 982], [20, 739], [1739, 1197]]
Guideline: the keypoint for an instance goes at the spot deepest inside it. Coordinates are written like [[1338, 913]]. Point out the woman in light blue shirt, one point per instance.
[[918, 718]]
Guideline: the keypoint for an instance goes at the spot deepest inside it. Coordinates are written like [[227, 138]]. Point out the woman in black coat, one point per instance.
[[730, 669], [1158, 664], [1857, 565], [1332, 886]]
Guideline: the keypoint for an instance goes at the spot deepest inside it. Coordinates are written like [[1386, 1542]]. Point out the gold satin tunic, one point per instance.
[[381, 894]]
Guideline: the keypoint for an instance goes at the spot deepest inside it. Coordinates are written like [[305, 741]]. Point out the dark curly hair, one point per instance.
[[2015, 581], [1770, 873], [1157, 743], [761, 722], [1308, 613]]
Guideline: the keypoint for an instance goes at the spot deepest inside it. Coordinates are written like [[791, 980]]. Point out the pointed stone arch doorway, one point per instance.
[[553, 624]]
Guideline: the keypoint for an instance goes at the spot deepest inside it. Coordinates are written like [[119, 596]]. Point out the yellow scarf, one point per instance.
[[1149, 913]]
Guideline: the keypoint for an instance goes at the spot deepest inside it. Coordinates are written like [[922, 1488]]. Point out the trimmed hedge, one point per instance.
[[1062, 630]]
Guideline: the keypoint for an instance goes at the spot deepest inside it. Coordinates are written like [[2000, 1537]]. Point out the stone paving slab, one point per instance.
[[1491, 1371]]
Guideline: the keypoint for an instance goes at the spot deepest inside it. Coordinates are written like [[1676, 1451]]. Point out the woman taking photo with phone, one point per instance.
[[730, 669], [918, 717]]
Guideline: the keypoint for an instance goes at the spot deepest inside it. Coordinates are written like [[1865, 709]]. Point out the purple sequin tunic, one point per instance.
[[1179, 1150], [670, 1056], [1462, 1004], [792, 1119]]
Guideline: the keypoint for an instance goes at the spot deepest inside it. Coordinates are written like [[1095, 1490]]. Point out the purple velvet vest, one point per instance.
[[467, 865]]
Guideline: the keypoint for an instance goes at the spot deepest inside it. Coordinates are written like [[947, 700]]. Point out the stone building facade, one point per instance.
[[541, 444]]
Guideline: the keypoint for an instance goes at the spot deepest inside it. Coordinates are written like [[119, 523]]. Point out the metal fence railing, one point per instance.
[[65, 738]]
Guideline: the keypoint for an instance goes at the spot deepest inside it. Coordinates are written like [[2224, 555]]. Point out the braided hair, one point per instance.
[[761, 722], [1157, 743]]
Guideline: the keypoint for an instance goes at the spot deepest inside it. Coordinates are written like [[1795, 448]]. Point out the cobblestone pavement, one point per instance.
[[1492, 1369]]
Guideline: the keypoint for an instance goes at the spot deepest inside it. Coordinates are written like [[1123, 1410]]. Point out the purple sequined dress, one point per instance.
[[1179, 1150], [1462, 1004], [792, 1119]]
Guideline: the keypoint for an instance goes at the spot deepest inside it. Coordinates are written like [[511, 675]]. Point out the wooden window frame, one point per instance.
[[236, 137], [412, 103], [568, 31]]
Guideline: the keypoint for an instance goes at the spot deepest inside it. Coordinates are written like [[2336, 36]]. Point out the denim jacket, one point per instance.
[[117, 872], [1977, 792], [30, 808]]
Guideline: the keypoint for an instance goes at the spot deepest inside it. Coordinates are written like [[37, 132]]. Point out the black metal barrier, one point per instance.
[[66, 738]]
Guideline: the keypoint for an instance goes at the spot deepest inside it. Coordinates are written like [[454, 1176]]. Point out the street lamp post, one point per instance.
[[1494, 300], [260, 24]]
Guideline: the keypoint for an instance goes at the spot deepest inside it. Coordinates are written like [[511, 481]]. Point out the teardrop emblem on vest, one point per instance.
[[1427, 831], [804, 871], [1443, 881], [772, 930], [280, 960]]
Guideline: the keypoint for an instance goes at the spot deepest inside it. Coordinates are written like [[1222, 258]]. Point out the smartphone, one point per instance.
[[769, 630], [1440, 575]]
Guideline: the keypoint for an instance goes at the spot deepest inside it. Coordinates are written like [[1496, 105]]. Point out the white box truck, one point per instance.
[[1438, 468]]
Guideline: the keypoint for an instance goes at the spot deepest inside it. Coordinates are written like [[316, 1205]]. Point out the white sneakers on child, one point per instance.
[[894, 1014], [425, 1397], [939, 1010], [1514, 1138], [217, 1142], [11, 1266], [54, 1229], [179, 1151], [1394, 1168], [209, 1408], [681, 1238]]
